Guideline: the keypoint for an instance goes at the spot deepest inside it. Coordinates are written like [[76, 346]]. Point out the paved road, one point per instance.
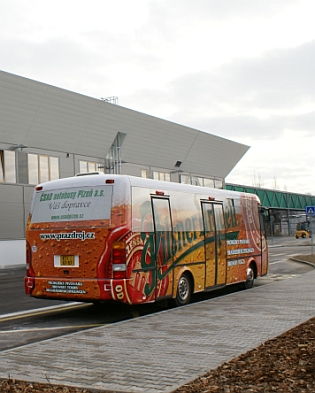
[[35, 320], [13, 298], [160, 352], [12, 294]]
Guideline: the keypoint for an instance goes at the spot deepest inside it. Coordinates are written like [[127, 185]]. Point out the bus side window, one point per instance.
[[219, 218]]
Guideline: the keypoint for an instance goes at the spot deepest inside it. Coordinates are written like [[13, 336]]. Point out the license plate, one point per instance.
[[67, 260]]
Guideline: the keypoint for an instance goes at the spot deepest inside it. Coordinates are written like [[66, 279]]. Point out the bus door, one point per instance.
[[163, 241], [215, 243], [263, 243]]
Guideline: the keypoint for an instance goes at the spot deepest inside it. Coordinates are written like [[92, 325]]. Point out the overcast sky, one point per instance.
[[240, 69]]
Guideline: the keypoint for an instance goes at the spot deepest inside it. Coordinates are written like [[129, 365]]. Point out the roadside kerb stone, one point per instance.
[[160, 352]]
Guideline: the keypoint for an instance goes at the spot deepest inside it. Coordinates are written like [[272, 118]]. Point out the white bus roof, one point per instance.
[[99, 178]]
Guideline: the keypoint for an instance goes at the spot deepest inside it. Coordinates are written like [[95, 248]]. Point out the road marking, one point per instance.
[[280, 276], [52, 328], [50, 310], [278, 255], [281, 261], [41, 311]]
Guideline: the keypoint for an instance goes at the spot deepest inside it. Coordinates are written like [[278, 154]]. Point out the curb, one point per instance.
[[301, 261]]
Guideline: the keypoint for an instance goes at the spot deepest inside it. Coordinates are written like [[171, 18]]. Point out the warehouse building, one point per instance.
[[48, 133]]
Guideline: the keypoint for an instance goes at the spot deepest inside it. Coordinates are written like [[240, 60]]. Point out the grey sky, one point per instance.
[[241, 69]]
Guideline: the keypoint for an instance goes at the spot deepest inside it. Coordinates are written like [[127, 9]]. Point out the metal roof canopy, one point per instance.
[[46, 117], [277, 199]]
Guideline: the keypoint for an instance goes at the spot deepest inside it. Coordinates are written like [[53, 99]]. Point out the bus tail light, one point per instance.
[[29, 284], [29, 280], [29, 269], [119, 267]]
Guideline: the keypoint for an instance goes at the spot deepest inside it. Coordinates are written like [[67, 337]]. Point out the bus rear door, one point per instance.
[[215, 243]]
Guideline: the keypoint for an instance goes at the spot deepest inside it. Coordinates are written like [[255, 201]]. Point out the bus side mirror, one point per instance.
[[265, 213]]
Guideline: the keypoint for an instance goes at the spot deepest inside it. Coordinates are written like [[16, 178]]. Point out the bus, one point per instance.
[[96, 238]]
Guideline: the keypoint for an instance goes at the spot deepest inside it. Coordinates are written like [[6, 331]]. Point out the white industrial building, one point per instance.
[[48, 133]]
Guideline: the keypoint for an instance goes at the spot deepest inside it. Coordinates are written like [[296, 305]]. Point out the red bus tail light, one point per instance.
[[29, 284], [29, 268], [119, 267], [29, 280]]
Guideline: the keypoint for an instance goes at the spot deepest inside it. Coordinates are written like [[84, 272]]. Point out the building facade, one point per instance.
[[48, 133]]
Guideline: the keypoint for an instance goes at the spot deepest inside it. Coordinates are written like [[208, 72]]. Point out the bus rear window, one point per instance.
[[72, 204]]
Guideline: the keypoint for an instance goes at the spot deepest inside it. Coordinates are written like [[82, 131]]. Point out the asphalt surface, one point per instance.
[[12, 293], [162, 351]]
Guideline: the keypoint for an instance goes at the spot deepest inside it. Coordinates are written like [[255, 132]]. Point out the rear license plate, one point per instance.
[[67, 260]]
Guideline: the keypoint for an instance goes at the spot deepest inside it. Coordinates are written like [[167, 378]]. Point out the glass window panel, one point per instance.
[[196, 181], [167, 177], [9, 162], [54, 168], [155, 175], [219, 217], [208, 183], [32, 160], [185, 179], [43, 169], [144, 173], [218, 183], [1, 165], [83, 167], [162, 177], [91, 166], [100, 167]]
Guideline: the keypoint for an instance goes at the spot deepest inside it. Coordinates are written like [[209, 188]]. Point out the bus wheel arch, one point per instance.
[[184, 289], [251, 274]]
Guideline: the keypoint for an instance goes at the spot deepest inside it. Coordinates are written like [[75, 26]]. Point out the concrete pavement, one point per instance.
[[160, 352]]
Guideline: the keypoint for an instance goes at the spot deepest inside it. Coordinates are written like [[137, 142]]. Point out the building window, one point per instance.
[[7, 166], [32, 168], [201, 181], [208, 183], [185, 179], [165, 176], [42, 168], [197, 181], [90, 166], [218, 183], [144, 173], [54, 168]]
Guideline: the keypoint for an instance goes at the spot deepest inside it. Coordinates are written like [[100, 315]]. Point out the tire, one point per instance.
[[184, 290], [304, 236], [250, 278], [297, 236]]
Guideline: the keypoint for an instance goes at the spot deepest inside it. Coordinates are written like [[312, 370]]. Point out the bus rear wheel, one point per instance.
[[250, 278], [184, 290]]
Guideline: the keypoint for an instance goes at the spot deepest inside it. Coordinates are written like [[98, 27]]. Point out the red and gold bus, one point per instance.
[[97, 237]]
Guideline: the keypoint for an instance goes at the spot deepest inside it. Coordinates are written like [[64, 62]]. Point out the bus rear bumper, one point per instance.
[[83, 290]]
